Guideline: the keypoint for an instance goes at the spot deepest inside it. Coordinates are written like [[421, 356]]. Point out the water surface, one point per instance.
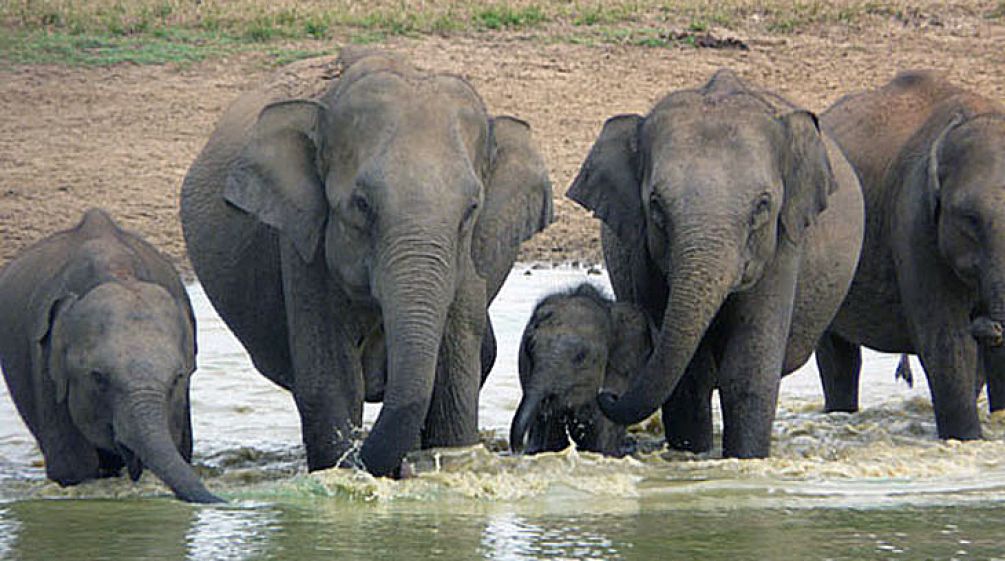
[[872, 485]]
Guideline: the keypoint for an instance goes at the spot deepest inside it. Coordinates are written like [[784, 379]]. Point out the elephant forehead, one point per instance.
[[128, 308], [571, 317], [392, 93]]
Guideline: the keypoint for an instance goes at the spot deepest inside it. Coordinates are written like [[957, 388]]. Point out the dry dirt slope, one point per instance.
[[122, 137]]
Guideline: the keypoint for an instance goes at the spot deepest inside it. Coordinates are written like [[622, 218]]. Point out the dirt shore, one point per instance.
[[122, 137]]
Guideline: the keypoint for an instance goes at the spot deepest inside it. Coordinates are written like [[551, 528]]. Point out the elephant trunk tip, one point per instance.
[[987, 331], [620, 410], [526, 413], [199, 496]]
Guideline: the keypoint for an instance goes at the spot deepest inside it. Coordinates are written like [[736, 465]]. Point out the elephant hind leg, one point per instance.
[[840, 364]]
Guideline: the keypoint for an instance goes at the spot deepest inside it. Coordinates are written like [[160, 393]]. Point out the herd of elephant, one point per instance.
[[354, 240]]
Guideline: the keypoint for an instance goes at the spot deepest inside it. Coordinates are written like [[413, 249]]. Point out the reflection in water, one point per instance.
[[86, 530], [229, 534], [511, 537], [8, 534]]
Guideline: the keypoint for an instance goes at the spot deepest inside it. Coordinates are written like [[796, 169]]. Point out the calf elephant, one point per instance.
[[97, 345], [931, 280], [576, 343], [369, 224], [736, 225]]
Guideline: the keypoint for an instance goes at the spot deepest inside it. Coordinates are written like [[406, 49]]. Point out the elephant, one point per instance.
[[576, 342], [736, 224], [98, 346], [352, 241], [931, 280]]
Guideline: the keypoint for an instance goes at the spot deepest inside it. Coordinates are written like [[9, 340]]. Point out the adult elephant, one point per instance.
[[736, 224], [931, 280], [382, 211], [97, 345]]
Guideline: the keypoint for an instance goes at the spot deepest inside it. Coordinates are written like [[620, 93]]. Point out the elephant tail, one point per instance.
[[903, 371]]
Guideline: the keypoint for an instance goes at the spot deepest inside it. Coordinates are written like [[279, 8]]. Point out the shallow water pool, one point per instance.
[[872, 485]]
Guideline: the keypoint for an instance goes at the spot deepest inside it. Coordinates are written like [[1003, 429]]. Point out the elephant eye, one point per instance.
[[762, 211], [580, 357], [100, 379], [658, 215], [472, 208], [969, 225], [360, 204]]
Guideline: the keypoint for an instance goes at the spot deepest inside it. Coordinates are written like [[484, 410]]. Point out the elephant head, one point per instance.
[[709, 184], [120, 357], [576, 343], [965, 178], [385, 178]]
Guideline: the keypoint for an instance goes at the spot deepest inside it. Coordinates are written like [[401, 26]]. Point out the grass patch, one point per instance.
[[505, 17], [141, 29], [88, 49], [163, 46], [998, 12]]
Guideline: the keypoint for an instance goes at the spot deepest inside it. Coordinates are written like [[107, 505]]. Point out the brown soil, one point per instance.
[[123, 137]]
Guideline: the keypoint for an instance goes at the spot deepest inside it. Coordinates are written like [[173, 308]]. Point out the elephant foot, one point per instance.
[[956, 425], [841, 407]]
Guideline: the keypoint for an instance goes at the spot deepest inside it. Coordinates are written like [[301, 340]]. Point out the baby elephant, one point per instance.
[[575, 343], [97, 344]]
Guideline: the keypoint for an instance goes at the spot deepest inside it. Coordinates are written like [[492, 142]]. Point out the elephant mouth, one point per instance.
[[134, 465], [987, 331]]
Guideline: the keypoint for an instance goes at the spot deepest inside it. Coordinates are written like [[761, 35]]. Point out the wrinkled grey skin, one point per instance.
[[97, 346], [576, 343], [736, 225], [353, 243], [931, 280]]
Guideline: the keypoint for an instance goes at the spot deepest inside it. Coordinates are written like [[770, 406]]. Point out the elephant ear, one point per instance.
[[934, 157], [608, 182], [47, 359], [517, 202], [631, 345], [807, 175], [525, 364], [278, 176]]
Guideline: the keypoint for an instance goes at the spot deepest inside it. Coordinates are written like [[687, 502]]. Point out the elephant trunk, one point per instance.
[[526, 413], [988, 327], [414, 288], [142, 430], [989, 331], [701, 274]]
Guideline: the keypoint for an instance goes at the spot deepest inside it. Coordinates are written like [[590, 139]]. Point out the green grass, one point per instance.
[[998, 12], [159, 47], [142, 31], [505, 17]]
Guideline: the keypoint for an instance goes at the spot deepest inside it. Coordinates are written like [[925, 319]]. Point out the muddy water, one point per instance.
[[875, 485]]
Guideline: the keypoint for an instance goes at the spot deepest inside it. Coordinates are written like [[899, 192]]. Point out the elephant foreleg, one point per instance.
[[941, 329], [687, 415], [328, 380], [69, 458], [950, 363], [756, 331], [452, 419], [840, 364]]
